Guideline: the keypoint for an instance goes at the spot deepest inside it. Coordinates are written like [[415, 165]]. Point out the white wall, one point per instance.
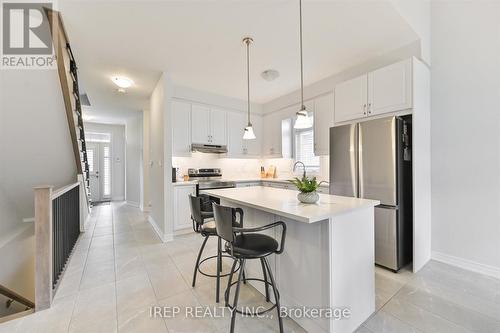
[[160, 154], [194, 95], [133, 170], [465, 133], [145, 202], [35, 143], [18, 271], [117, 153], [417, 14], [9, 220]]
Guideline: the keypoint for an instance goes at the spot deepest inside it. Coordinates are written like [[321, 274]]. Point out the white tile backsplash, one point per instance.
[[236, 168]]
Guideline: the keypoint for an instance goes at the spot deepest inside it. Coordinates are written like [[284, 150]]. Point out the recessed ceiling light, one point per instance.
[[122, 82], [270, 74]]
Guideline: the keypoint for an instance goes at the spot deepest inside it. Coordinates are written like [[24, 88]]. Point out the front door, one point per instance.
[[99, 158], [93, 159]]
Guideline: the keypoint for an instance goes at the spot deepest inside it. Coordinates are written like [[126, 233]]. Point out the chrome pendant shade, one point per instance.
[[303, 120], [248, 133]]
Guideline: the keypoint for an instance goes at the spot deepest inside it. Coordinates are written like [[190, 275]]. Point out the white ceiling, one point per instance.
[[199, 44]]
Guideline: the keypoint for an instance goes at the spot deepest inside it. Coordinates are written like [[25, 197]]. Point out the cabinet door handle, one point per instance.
[[369, 108], [364, 109]]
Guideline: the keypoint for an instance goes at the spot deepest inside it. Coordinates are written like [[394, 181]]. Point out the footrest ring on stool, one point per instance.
[[215, 275], [251, 314]]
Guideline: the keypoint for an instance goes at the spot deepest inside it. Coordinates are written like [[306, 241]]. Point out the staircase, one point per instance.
[[13, 305], [68, 76], [50, 148]]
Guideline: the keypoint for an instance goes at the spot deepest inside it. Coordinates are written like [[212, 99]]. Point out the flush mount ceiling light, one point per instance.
[[270, 74], [303, 120], [122, 82], [248, 134]]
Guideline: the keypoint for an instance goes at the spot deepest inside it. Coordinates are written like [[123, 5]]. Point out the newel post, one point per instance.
[[43, 247]]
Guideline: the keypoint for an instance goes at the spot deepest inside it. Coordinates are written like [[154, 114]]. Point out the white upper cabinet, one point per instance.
[[351, 99], [181, 129], [208, 125], [200, 124], [389, 88], [323, 120], [236, 122], [218, 127], [271, 145]]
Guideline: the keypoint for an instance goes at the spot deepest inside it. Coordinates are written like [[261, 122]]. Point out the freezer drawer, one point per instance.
[[386, 240]]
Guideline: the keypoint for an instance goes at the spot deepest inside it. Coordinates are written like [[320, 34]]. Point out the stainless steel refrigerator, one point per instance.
[[372, 160]]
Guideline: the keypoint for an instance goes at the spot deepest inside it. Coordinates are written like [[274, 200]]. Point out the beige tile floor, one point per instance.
[[120, 268]]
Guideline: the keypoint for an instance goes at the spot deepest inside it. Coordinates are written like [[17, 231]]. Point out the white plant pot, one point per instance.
[[308, 198]]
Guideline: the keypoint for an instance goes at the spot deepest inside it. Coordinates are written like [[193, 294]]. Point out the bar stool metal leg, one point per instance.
[[229, 282], [237, 295], [198, 260], [276, 295], [219, 268], [265, 279]]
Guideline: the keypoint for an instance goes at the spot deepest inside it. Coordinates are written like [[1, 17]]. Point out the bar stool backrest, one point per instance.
[[224, 220], [195, 205]]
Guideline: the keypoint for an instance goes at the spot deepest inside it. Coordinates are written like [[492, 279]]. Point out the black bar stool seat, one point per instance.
[[252, 246]]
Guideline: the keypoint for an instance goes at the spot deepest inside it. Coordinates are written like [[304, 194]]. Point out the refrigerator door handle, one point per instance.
[[355, 159], [360, 161]]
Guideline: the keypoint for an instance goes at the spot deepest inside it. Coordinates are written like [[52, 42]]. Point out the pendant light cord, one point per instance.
[[248, 79], [302, 108]]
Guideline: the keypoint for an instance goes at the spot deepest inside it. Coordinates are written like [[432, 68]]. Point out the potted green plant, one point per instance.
[[307, 187]]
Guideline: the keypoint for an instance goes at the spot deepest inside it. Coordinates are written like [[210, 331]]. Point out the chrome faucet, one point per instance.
[[303, 166]]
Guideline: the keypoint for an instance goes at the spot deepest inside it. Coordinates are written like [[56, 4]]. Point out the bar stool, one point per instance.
[[203, 224], [244, 244]]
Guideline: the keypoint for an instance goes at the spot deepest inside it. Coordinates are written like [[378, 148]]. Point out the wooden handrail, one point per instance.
[[57, 193], [16, 297]]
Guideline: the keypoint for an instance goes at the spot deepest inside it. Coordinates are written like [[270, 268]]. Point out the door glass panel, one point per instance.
[[107, 171]]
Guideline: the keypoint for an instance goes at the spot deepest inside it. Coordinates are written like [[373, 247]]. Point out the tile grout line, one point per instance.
[[83, 273], [114, 264]]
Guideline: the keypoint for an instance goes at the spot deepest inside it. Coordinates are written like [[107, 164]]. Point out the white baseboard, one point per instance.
[[164, 237], [467, 264], [132, 203]]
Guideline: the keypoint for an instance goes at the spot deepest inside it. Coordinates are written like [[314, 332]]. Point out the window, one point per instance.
[[303, 147], [107, 171], [97, 137]]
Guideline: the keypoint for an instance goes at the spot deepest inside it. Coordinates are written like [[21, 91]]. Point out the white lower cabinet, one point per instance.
[[182, 211]]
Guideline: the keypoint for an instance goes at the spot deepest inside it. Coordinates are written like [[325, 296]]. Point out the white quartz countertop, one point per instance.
[[285, 203], [242, 180]]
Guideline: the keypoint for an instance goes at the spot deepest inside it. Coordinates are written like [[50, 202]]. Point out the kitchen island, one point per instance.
[[328, 262]]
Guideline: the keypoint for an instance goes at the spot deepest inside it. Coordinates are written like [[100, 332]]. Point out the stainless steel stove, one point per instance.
[[209, 178]]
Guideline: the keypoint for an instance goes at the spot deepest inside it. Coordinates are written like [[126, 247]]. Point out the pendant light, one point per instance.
[[248, 134], [303, 120]]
